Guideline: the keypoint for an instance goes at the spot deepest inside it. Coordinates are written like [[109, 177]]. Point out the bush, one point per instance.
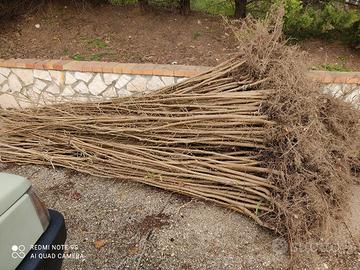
[[354, 35], [330, 21], [341, 24], [300, 21], [213, 6]]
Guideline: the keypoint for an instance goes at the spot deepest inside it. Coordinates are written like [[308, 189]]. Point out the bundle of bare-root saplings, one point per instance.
[[253, 134]]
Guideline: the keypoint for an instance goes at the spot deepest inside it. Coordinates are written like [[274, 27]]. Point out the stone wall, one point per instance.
[[31, 87], [24, 87], [344, 85], [28, 82], [348, 92]]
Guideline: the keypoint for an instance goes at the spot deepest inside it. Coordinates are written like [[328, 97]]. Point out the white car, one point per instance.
[[31, 236]]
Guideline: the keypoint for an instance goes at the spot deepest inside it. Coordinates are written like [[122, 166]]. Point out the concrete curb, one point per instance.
[[105, 67], [154, 69]]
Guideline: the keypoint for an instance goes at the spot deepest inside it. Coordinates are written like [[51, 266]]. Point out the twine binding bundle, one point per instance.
[[252, 135]]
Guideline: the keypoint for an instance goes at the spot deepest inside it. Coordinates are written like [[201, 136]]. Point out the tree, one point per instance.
[[184, 6], [240, 8], [144, 4]]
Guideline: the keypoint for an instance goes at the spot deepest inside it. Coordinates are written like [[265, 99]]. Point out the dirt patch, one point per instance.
[[151, 222], [322, 52], [63, 188], [126, 34], [199, 235], [117, 34]]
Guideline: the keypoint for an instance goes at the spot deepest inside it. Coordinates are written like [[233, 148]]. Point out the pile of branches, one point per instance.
[[201, 137], [253, 134]]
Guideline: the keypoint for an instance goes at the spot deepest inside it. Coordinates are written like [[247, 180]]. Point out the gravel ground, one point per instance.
[[123, 225]]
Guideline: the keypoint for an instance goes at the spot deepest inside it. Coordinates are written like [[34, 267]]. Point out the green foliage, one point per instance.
[[341, 66], [341, 24], [331, 21], [333, 67], [338, 18], [259, 8], [78, 57], [97, 43], [220, 7], [327, 19], [353, 35], [300, 21], [92, 57]]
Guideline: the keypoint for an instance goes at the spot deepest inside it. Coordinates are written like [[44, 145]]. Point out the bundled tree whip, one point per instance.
[[253, 135]]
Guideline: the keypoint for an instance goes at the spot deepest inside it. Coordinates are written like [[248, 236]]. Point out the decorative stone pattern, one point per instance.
[[32, 82], [20, 87], [344, 85], [348, 92]]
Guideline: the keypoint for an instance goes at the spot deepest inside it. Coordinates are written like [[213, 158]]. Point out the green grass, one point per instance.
[[78, 57], [334, 67], [218, 7], [92, 57], [97, 43]]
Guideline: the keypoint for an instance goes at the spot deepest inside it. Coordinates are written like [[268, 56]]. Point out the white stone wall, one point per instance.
[[31, 87], [348, 92]]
